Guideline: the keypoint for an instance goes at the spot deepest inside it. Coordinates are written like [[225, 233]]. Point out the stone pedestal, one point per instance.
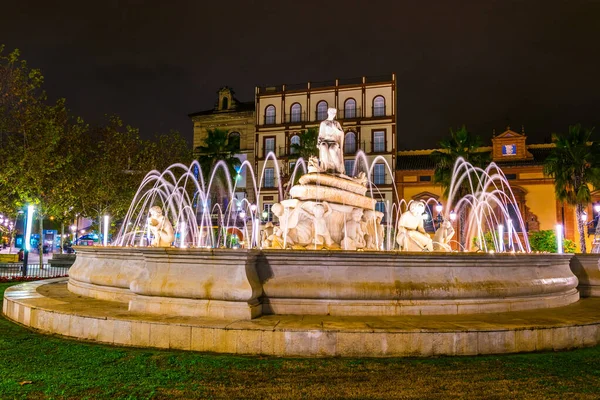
[[328, 211]]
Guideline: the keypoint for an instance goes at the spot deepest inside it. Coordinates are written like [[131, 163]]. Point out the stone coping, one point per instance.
[[49, 307]]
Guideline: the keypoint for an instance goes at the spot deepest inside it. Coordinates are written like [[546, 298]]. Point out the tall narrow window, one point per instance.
[[267, 215], [380, 206], [321, 110], [295, 140], [350, 143], [269, 178], [379, 174], [225, 103], [296, 113], [270, 115], [379, 106], [350, 108], [378, 141], [269, 146], [234, 140], [349, 167]]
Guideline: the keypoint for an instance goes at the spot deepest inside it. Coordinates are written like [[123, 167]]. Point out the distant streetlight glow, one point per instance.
[[559, 239], [105, 238], [30, 211]]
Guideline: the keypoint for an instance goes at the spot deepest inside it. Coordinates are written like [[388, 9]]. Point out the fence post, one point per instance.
[[25, 259]]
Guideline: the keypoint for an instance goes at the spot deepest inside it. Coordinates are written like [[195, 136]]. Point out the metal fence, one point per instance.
[[33, 271]]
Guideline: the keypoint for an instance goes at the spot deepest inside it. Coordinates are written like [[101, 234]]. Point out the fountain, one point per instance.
[[328, 257]]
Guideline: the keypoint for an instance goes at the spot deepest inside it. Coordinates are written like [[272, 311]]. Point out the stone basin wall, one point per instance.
[[247, 283]]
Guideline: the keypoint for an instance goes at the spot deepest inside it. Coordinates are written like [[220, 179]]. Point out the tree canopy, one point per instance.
[[574, 163]]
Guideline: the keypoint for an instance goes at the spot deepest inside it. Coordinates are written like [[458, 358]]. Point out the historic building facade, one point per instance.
[[522, 164], [238, 119], [366, 110]]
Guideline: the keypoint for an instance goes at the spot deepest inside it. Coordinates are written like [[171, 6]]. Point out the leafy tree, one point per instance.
[[113, 172], [218, 146], [545, 241], [164, 150], [574, 163], [461, 143], [33, 137], [307, 146]]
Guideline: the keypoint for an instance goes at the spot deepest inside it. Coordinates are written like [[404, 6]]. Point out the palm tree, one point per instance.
[[461, 143], [218, 146], [575, 165], [307, 146]]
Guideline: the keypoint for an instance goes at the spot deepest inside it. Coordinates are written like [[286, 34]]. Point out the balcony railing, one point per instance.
[[350, 113], [295, 117], [379, 111], [381, 179], [351, 151], [320, 115]]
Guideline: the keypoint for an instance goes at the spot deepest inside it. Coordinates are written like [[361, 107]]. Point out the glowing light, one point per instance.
[[452, 215], [253, 207], [182, 235], [584, 216], [597, 207], [105, 238], [439, 207], [510, 230], [242, 214], [559, 239], [30, 211]]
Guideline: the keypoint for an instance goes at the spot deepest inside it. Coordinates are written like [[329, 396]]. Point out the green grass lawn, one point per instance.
[[37, 366]]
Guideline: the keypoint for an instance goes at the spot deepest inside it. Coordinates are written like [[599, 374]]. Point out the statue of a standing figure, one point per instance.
[[330, 144], [161, 228]]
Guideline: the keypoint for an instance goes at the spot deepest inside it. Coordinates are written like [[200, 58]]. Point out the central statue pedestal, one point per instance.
[[327, 211]]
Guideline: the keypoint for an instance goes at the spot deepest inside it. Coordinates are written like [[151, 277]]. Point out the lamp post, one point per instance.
[[439, 219], [28, 226]]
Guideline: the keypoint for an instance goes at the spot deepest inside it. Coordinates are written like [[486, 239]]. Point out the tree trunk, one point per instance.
[[62, 235], [579, 209]]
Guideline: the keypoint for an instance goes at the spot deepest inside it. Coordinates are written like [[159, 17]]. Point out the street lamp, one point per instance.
[[452, 215]]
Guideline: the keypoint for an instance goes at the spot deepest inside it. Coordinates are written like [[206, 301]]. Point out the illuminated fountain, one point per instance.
[[328, 254]]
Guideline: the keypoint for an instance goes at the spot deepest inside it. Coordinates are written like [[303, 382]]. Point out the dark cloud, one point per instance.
[[485, 64]]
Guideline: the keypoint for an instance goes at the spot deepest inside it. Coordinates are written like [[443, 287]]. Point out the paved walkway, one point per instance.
[[50, 307]]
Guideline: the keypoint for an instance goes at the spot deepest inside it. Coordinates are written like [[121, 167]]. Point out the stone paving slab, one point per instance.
[[49, 307]]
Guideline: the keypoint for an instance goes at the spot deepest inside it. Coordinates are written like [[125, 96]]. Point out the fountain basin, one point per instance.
[[587, 269], [245, 284]]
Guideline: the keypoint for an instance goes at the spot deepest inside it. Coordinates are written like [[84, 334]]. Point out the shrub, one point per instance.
[[546, 241]]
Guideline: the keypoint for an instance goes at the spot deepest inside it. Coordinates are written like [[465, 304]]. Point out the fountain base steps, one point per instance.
[[48, 306]]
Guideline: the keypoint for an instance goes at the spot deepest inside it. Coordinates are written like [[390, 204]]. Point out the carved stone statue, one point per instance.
[[161, 228], [374, 231], [266, 235], [355, 236], [330, 144], [411, 232], [442, 237], [319, 213]]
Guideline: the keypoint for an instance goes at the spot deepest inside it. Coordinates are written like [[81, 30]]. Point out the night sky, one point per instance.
[[486, 64]]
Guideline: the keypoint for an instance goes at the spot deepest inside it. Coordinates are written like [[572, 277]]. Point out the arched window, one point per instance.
[[225, 103], [350, 108], [294, 140], [350, 143], [234, 140], [270, 115], [379, 106], [296, 113], [321, 110]]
